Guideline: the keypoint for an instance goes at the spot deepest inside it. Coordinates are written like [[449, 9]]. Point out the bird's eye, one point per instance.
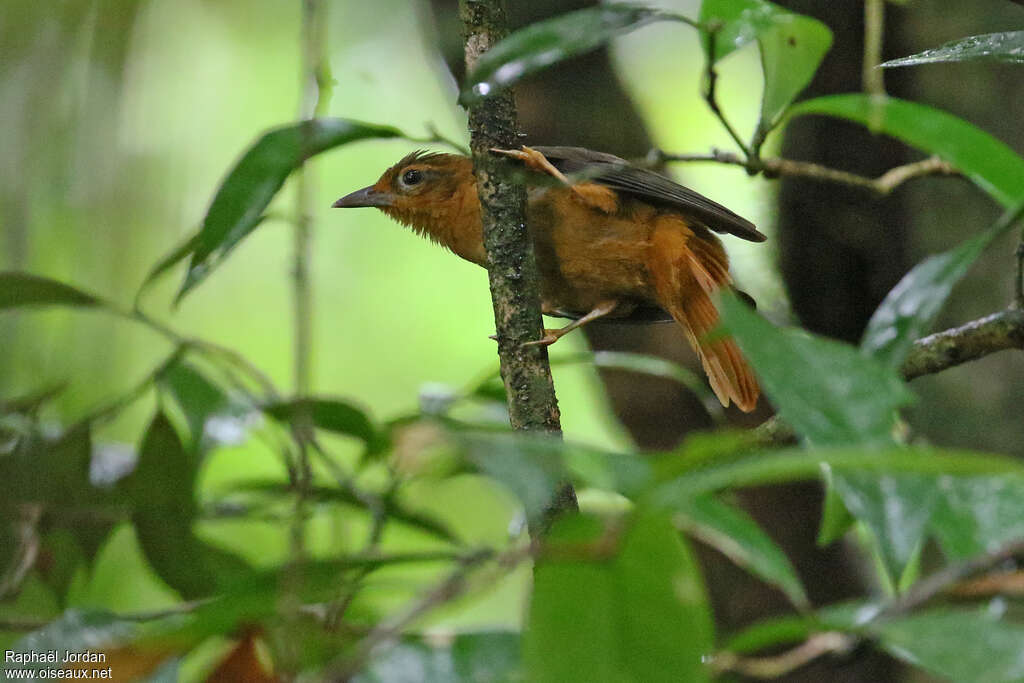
[[412, 177]]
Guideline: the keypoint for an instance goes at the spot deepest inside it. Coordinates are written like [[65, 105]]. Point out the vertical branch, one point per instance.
[[874, 32], [512, 268]]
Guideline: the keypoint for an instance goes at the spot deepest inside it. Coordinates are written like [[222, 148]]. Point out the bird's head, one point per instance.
[[420, 184]]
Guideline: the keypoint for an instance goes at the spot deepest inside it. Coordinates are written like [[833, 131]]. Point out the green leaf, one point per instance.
[[772, 633], [977, 514], [733, 533], [990, 47], [213, 416], [827, 391], [970, 513], [530, 466], [836, 520], [173, 258], [792, 46], [897, 509], [469, 658], [910, 308], [966, 646], [164, 509], [989, 163], [394, 510], [544, 43], [330, 414], [639, 615], [779, 467], [18, 290], [255, 179]]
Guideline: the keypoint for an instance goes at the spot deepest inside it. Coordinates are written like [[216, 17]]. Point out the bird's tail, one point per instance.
[[686, 270]]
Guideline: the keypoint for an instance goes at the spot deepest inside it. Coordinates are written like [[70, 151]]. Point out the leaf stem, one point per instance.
[[874, 33]]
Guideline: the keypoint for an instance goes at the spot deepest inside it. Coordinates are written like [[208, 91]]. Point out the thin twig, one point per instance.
[[978, 338], [775, 167], [935, 584], [711, 81], [1018, 299], [776, 666]]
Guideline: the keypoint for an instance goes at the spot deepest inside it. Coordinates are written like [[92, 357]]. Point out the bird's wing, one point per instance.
[[620, 175]]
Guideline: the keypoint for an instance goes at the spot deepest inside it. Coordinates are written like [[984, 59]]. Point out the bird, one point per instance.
[[610, 238]]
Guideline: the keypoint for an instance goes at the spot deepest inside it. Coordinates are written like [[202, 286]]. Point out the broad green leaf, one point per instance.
[[988, 162], [469, 658], [252, 183], [330, 414], [910, 308], [779, 467], [18, 290], [164, 509], [965, 646], [792, 46], [990, 47], [897, 509], [634, 611], [544, 43], [978, 514], [969, 513], [733, 533], [829, 393]]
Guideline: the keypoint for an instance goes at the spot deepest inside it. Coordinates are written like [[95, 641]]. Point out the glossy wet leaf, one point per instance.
[[910, 308], [990, 47], [792, 46], [897, 509], [255, 179], [733, 533], [469, 658], [18, 290], [978, 514], [544, 43], [827, 391], [633, 609], [967, 646], [986, 161]]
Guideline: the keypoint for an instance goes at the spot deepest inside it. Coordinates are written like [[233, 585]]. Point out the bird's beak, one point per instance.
[[368, 196]]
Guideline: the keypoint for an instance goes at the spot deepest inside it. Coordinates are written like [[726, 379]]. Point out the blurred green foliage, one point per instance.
[[166, 490]]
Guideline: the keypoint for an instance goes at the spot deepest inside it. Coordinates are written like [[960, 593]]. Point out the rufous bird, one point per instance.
[[615, 239]]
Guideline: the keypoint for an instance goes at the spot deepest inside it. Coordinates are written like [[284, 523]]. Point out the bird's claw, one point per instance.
[[533, 159], [548, 339]]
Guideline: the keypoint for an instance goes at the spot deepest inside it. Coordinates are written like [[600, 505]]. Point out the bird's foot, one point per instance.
[[534, 160], [549, 338]]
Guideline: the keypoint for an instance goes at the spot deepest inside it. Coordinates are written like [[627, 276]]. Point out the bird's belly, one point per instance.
[[588, 259]]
